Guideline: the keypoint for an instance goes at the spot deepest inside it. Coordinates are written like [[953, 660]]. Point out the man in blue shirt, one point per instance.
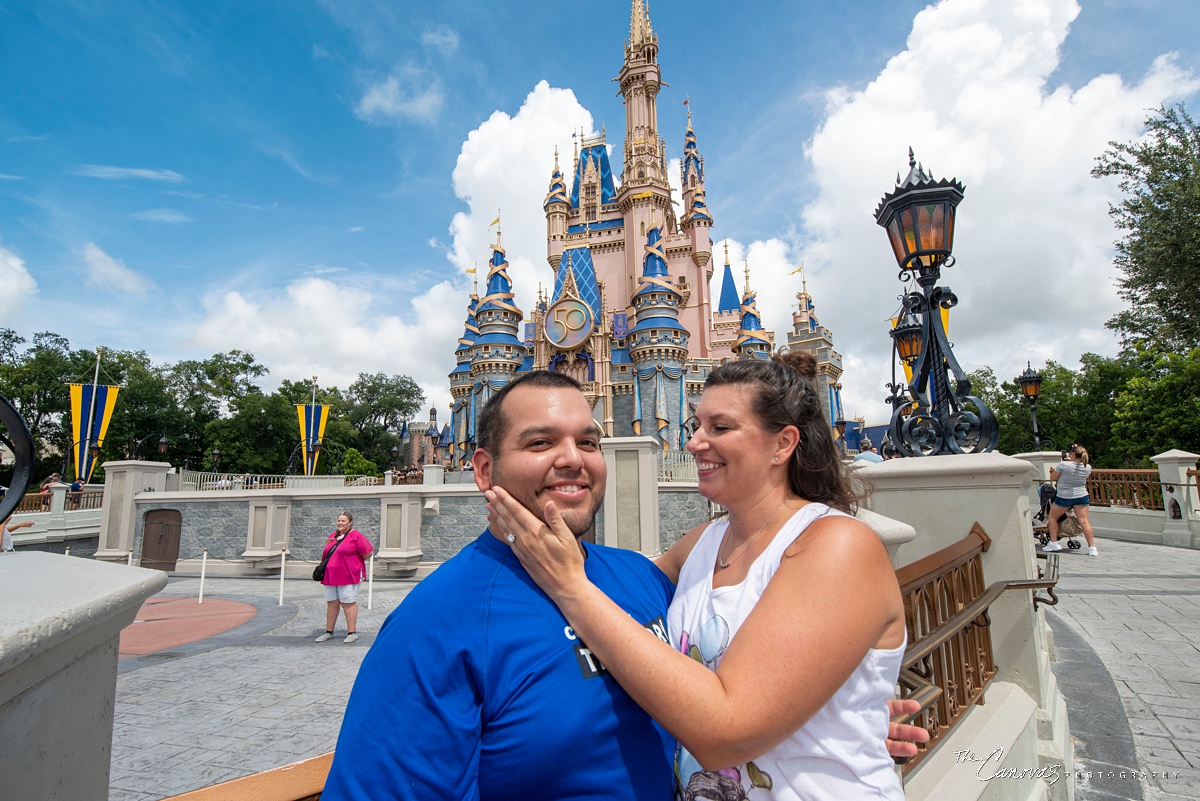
[[476, 687]]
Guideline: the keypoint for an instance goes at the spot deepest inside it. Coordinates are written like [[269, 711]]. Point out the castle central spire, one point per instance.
[[639, 24], [640, 82]]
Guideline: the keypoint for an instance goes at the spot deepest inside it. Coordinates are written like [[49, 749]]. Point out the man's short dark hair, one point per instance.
[[492, 425]]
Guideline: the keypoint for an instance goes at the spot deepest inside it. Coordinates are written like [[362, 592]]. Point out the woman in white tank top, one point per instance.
[[787, 624]]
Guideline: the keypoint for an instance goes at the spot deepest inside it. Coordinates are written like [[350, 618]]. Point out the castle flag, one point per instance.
[[313, 417], [91, 411]]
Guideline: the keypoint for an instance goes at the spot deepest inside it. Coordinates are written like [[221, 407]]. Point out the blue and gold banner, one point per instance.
[[91, 408], [313, 417]]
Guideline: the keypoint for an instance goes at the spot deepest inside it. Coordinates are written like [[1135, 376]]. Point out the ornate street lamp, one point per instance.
[[163, 444], [1031, 387], [840, 425], [930, 416], [216, 458]]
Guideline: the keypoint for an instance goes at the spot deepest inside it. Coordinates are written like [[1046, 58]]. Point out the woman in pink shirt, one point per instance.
[[343, 574]]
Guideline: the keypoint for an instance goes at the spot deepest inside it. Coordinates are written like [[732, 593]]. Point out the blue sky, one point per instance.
[[309, 181]]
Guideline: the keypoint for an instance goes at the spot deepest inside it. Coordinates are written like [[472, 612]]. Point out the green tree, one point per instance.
[[1159, 254], [376, 406], [1159, 407], [205, 392], [257, 437], [354, 464]]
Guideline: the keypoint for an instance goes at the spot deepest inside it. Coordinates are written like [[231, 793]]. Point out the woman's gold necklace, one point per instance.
[[721, 563]]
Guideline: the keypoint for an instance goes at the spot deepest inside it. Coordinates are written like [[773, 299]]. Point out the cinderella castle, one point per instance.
[[631, 314]]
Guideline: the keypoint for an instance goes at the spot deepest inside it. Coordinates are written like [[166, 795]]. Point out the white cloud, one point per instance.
[[505, 165], [971, 95], [18, 285], [6, 177], [122, 173], [354, 229], [336, 330], [105, 272], [440, 37], [409, 93], [162, 215]]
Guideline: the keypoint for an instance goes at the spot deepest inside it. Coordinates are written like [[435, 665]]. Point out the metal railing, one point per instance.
[[1134, 489], [676, 467], [193, 481], [949, 660], [33, 502], [88, 499]]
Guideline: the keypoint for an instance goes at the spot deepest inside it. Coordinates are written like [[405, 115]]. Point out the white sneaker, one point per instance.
[[1051, 546], [351, 637], [324, 636], [1092, 551]]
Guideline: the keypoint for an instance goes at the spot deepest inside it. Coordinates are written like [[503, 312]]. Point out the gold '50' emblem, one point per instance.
[[569, 323]]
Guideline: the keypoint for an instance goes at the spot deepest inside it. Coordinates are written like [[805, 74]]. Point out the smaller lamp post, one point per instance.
[[216, 458], [395, 452], [163, 444], [93, 451], [1031, 387]]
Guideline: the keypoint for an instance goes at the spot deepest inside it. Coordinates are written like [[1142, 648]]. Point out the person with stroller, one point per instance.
[[1071, 476]]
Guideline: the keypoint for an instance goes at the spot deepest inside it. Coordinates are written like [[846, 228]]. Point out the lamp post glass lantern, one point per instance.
[[931, 415]]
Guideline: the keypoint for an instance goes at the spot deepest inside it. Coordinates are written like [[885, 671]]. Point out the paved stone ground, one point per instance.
[[258, 697], [1137, 608], [265, 695]]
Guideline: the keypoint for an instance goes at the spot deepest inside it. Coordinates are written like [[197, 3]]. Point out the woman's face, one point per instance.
[[343, 524], [733, 451]]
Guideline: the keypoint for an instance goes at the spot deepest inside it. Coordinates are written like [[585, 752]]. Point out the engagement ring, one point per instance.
[[511, 538]]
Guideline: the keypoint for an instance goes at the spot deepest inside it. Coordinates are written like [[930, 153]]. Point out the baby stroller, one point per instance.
[[1068, 527]]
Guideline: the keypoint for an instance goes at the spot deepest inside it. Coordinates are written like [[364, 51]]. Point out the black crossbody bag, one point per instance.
[[319, 570]]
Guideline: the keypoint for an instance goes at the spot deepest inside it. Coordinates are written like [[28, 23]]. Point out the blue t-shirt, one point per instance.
[[476, 688]]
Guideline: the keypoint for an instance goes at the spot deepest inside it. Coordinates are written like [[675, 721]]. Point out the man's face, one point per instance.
[[550, 452]]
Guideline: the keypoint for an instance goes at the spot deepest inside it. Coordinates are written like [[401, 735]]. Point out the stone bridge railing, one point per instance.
[[61, 519]]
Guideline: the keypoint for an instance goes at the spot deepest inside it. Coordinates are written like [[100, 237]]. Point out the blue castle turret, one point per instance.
[[658, 346], [751, 342], [496, 353], [462, 416]]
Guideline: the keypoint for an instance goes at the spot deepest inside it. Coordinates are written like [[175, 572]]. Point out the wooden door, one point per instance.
[[160, 539]]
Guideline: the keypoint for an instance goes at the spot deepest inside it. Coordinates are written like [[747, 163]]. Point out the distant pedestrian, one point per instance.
[[347, 550], [6, 529], [1071, 474]]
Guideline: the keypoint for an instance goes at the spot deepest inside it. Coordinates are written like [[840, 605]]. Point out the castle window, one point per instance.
[[622, 369], [641, 173], [692, 180], [591, 215], [589, 192], [508, 348]]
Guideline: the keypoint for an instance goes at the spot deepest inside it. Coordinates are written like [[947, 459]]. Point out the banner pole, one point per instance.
[[203, 569], [129, 559]]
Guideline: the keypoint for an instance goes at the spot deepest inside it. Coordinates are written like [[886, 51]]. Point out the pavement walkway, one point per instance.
[[1129, 620], [263, 694]]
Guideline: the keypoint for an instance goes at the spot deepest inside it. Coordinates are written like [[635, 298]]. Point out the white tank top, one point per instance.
[[840, 753]]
